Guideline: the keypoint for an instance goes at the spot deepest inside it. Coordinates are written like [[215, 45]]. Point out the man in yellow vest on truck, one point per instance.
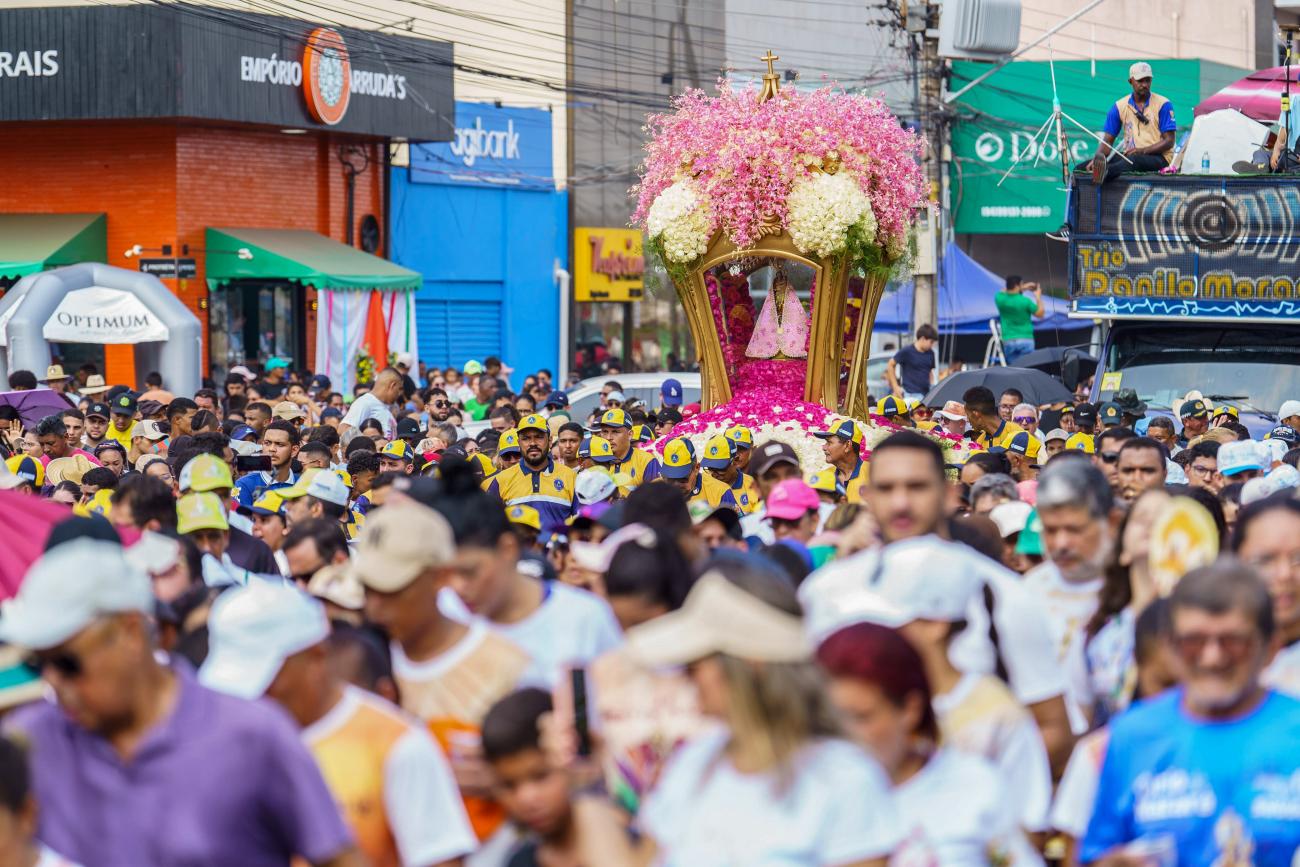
[[1140, 126]]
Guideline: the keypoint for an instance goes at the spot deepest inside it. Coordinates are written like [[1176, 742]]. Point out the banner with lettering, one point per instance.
[[490, 146], [98, 314], [1186, 247]]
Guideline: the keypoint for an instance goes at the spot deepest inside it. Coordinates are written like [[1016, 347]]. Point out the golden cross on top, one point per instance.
[[769, 59]]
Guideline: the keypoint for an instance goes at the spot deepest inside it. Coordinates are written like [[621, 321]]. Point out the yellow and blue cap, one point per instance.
[[601, 451], [399, 449], [1081, 442], [509, 442], [826, 481], [678, 460], [270, 503], [28, 468], [846, 429], [615, 418], [483, 462], [642, 433], [533, 421], [741, 437], [717, 453], [890, 406], [525, 516]]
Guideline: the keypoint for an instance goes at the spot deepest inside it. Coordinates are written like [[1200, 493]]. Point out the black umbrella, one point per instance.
[[1049, 360], [1037, 387]]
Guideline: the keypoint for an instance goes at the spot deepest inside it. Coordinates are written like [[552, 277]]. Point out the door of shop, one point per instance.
[[252, 320]]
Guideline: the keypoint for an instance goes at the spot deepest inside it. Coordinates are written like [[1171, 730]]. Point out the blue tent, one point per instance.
[[966, 290]]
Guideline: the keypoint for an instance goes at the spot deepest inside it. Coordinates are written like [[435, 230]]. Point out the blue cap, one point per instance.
[[242, 431], [331, 412], [275, 362], [671, 392], [556, 398]]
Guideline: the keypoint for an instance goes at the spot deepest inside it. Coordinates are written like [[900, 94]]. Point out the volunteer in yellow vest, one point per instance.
[[843, 450], [679, 468], [390, 780], [638, 465], [508, 451], [993, 431], [1139, 125], [742, 444], [720, 460], [827, 486], [537, 480]]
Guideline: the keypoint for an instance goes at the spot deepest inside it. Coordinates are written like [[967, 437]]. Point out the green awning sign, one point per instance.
[[37, 242], [997, 119], [302, 257]]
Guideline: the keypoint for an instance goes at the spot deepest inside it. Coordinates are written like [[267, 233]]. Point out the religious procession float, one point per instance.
[[807, 200]]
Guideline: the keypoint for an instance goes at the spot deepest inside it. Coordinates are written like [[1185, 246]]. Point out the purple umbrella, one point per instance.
[[35, 405], [1258, 96]]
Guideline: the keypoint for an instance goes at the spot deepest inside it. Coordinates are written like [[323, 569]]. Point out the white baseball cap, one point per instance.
[[327, 486], [68, 588], [1011, 517], [594, 485], [1242, 455], [253, 629], [1288, 409], [1056, 434], [923, 578], [596, 556], [1140, 70]]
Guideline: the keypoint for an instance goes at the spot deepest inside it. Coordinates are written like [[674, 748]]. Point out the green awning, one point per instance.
[[304, 257], [36, 242]]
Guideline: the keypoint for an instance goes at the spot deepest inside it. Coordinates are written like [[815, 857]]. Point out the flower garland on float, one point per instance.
[[833, 170]]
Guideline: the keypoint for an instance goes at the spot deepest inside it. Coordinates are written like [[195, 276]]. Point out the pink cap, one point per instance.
[[791, 499]]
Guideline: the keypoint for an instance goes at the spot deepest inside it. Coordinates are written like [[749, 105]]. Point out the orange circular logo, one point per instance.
[[326, 75]]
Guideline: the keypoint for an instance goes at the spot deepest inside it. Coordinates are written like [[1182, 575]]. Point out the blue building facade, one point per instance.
[[481, 219]]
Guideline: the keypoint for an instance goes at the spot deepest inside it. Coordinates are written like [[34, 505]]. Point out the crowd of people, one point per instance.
[[280, 624]]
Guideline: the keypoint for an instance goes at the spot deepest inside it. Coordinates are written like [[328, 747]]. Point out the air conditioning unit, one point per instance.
[[979, 29]]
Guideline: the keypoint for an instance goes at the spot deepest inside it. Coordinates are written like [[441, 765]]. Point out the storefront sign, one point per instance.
[[608, 265], [101, 315], [170, 268], [176, 60], [999, 117], [1187, 247], [490, 145]]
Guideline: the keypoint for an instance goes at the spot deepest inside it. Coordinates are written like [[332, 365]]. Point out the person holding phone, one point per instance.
[[1016, 311]]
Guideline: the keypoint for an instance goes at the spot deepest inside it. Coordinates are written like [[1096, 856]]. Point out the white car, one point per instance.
[[585, 396]]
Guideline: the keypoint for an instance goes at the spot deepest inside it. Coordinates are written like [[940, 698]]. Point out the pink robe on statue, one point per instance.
[[784, 335]]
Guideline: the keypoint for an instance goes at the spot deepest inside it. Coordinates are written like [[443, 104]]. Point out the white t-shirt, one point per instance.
[[954, 814], [835, 810], [1077, 792], [980, 716], [572, 627], [369, 406], [1069, 605], [421, 800], [1023, 635]]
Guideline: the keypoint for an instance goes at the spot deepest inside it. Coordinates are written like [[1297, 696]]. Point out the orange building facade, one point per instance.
[[226, 138]]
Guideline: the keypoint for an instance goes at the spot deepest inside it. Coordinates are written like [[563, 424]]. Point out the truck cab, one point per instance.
[[1194, 282]]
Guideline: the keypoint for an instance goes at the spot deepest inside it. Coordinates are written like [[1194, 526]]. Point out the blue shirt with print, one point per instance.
[[1227, 792]]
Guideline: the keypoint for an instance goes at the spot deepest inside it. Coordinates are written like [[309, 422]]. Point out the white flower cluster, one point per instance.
[[797, 437], [680, 217], [821, 208]]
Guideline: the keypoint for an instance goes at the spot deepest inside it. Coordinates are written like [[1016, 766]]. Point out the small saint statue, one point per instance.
[[781, 331]]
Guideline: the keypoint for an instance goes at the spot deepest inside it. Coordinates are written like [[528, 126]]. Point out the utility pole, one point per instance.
[[927, 70]]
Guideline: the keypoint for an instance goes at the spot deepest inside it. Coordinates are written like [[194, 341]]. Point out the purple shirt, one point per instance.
[[221, 781]]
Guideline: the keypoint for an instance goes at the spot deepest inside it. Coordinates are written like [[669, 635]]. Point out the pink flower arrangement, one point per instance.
[[744, 156]]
